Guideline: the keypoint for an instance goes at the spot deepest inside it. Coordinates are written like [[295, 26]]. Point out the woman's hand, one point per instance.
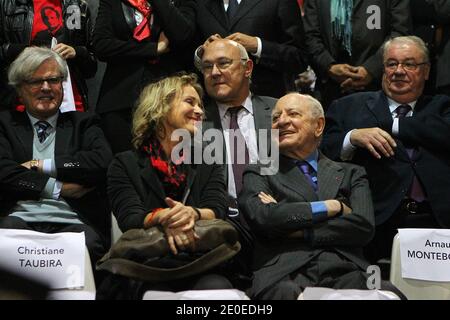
[[178, 216], [180, 239]]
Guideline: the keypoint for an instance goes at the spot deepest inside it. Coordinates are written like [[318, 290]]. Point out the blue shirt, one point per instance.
[[318, 208]]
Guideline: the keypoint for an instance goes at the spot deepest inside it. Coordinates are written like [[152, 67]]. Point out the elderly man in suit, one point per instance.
[[52, 165], [401, 138], [270, 30], [231, 107], [312, 217]]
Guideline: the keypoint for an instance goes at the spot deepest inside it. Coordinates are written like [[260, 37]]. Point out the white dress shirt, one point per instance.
[[246, 123]]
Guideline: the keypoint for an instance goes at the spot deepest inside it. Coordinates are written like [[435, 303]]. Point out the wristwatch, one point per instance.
[[34, 165]]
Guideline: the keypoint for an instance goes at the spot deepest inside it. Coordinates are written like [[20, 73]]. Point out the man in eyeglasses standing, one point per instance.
[[402, 139], [52, 165], [231, 107]]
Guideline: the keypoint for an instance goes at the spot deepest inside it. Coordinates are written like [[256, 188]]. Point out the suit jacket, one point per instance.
[[394, 18], [131, 64], [279, 26], [390, 178], [262, 111], [135, 189], [276, 254], [82, 156]]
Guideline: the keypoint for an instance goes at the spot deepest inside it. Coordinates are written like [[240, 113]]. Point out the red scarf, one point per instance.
[[143, 30], [172, 174]]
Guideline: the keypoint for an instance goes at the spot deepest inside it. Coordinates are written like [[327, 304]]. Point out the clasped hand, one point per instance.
[[178, 222]]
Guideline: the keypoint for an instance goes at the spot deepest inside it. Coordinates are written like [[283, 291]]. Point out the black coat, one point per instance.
[[427, 15], [134, 189], [132, 64]]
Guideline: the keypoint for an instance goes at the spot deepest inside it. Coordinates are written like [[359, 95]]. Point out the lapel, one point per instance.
[[244, 7], [24, 131], [218, 11], [190, 177], [151, 180], [128, 14], [356, 4], [262, 115], [212, 116], [329, 177], [64, 132], [420, 105], [379, 107], [291, 177]]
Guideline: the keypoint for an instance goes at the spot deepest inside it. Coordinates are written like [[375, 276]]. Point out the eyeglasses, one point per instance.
[[38, 83], [222, 65], [407, 65]]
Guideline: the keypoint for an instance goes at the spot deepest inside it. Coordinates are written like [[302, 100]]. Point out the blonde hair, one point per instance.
[[154, 104]]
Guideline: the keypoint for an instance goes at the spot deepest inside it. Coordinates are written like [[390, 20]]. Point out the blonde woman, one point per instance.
[[146, 188]]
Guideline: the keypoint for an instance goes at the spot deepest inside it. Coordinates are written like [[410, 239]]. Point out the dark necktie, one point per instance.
[[308, 171], [232, 8], [235, 140], [416, 191], [41, 130]]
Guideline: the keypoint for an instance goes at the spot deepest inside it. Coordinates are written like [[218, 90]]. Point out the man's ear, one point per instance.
[[427, 71], [320, 127], [248, 68]]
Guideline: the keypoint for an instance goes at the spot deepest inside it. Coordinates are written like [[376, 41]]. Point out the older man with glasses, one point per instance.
[[402, 139], [232, 108], [52, 165]]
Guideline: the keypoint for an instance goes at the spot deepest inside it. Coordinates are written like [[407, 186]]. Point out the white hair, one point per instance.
[[29, 61], [416, 41]]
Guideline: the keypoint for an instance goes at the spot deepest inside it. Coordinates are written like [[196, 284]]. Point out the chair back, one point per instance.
[[411, 288]]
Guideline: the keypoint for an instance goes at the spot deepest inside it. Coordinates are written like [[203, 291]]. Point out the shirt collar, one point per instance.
[[223, 107], [393, 105], [312, 160], [51, 120]]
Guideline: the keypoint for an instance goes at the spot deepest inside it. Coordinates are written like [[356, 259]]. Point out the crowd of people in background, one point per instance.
[[359, 91]]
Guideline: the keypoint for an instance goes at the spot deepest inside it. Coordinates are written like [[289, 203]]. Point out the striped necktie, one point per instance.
[[41, 130], [308, 171]]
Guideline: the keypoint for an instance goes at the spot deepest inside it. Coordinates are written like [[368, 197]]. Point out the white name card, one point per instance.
[[425, 254], [56, 259]]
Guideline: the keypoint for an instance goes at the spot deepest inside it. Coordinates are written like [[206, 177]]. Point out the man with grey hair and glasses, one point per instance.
[[231, 108], [402, 139], [52, 165]]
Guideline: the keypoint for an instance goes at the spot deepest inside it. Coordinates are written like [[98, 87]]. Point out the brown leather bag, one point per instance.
[[144, 254]]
